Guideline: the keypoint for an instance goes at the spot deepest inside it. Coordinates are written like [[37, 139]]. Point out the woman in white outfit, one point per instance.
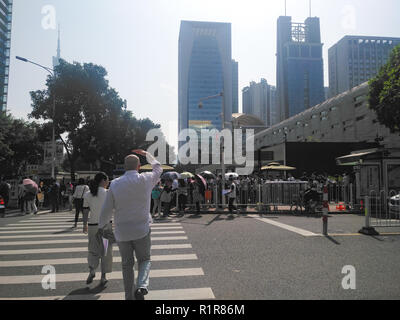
[[93, 203]]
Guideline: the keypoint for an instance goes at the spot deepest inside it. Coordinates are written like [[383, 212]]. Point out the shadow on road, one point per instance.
[[333, 240], [90, 293], [69, 230]]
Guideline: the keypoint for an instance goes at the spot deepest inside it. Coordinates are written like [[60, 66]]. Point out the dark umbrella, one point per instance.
[[202, 183], [30, 185], [170, 176], [208, 175]]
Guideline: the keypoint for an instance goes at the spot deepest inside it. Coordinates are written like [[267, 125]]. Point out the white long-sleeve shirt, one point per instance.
[[95, 204], [130, 196]]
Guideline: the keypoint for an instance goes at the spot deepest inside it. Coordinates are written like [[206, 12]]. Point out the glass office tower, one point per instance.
[[5, 43], [300, 74], [205, 69], [356, 59]]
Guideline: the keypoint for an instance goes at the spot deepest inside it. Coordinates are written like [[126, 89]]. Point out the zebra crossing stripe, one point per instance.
[[170, 294], [71, 277], [62, 224], [73, 231], [70, 241], [44, 262], [84, 249]]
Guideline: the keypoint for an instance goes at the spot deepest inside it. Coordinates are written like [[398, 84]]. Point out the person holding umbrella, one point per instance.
[[31, 189]]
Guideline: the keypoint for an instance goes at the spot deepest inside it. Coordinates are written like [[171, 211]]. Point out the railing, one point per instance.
[[383, 211]]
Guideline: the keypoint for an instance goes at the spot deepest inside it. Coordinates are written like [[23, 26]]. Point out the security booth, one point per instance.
[[377, 174]]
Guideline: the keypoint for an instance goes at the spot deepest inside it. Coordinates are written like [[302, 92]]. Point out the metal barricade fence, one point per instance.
[[382, 210], [254, 195], [273, 194]]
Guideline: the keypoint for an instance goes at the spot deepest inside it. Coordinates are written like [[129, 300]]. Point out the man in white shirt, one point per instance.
[[129, 196]]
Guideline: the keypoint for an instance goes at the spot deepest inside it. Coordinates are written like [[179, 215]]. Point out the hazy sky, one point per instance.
[[137, 42]]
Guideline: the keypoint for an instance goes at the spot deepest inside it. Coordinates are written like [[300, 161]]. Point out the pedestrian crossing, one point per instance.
[[37, 241]]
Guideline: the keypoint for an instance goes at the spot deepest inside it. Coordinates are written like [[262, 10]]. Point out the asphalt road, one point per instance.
[[224, 257], [244, 258]]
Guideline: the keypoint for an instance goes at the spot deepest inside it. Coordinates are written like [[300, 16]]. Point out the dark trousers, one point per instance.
[[198, 207], [54, 204], [182, 202], [166, 209], [231, 206], [78, 208]]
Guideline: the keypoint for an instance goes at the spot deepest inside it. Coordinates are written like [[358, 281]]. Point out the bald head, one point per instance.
[[132, 162]]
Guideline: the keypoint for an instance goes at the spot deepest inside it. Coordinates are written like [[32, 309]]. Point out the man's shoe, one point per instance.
[[140, 293], [91, 276], [103, 281]]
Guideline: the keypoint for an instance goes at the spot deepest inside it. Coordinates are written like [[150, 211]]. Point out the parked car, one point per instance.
[[2, 207], [394, 206]]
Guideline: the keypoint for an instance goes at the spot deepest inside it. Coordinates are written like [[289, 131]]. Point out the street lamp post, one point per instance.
[[51, 71], [223, 145]]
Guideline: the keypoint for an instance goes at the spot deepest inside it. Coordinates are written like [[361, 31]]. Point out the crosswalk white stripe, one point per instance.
[[36, 231], [45, 262], [62, 224], [70, 241], [84, 249], [38, 227], [287, 227], [45, 228], [170, 294], [72, 231], [117, 275]]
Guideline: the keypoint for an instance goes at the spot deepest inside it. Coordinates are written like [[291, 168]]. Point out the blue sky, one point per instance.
[[137, 42]]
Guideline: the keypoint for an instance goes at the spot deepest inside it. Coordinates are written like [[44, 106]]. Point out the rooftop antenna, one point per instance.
[[310, 8], [285, 8]]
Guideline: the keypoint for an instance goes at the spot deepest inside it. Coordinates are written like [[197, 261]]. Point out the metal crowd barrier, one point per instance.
[[262, 196], [381, 212]]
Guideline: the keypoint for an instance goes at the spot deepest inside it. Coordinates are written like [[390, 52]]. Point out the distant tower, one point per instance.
[[300, 77], [205, 69], [56, 60]]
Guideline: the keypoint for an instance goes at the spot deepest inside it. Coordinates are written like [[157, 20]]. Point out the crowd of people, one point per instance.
[[189, 195]]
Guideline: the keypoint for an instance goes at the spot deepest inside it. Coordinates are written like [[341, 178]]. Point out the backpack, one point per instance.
[[155, 194]]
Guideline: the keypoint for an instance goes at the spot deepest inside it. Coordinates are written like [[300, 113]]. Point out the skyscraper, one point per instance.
[[356, 59], [235, 86], [205, 69], [300, 75], [5, 44], [258, 100]]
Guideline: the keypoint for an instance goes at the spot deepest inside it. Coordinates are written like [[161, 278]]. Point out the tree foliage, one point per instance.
[[91, 114], [384, 96], [19, 145]]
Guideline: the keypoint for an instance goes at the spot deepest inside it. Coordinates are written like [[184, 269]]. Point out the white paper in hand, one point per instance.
[[105, 244]]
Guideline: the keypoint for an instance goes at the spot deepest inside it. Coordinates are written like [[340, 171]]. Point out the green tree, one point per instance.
[[91, 118], [19, 145], [384, 95]]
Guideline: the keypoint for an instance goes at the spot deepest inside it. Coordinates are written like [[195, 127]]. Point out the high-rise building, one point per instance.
[[300, 75], [259, 100], [235, 86], [205, 69], [5, 44], [356, 59], [274, 106]]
